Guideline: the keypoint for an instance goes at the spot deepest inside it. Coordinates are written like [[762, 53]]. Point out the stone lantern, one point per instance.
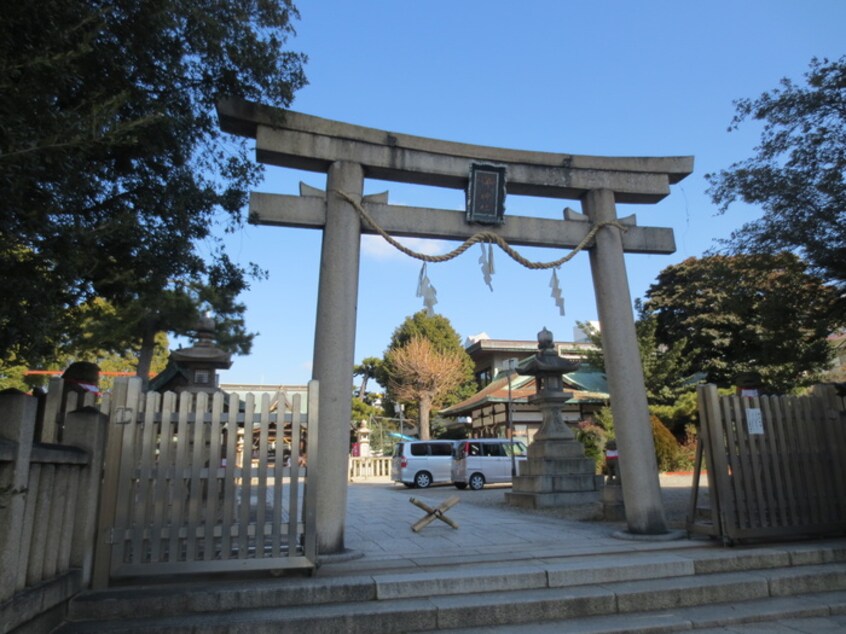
[[363, 434], [556, 471], [194, 369], [547, 368]]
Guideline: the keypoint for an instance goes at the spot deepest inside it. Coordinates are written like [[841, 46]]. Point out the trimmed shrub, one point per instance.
[[666, 445], [594, 438]]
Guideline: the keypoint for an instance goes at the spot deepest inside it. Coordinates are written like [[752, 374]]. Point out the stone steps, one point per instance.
[[806, 613], [668, 588]]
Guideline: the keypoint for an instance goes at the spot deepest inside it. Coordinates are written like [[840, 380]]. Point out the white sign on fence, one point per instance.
[[754, 421]]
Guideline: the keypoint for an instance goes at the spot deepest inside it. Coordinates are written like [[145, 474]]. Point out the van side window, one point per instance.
[[419, 449], [441, 449], [473, 449], [493, 449]]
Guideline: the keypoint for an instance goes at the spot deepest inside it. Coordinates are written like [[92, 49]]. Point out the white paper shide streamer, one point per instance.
[[486, 260], [556, 292], [427, 291]]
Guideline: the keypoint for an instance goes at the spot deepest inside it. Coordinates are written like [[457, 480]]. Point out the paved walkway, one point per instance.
[[379, 536], [380, 516]]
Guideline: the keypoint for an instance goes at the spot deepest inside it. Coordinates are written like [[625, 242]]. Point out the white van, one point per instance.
[[421, 463], [480, 460]]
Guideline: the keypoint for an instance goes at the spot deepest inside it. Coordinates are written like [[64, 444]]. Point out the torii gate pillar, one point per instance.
[[638, 467], [334, 351]]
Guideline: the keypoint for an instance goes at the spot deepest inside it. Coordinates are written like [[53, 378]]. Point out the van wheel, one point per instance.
[[477, 481], [422, 480], [460, 485]]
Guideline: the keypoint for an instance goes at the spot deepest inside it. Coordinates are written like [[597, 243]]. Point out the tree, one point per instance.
[[440, 333], [140, 319], [369, 368], [113, 172], [93, 341], [668, 377], [745, 313], [665, 374], [424, 374], [798, 174], [87, 342]]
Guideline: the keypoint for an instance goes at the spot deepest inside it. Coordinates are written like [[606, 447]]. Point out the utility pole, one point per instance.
[[512, 363]]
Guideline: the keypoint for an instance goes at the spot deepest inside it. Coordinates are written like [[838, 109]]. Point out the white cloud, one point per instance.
[[378, 248]]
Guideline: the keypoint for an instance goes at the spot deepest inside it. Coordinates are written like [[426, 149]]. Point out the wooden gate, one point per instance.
[[775, 465], [198, 483]]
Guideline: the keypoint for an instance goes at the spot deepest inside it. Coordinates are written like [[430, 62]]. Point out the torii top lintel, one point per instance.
[[291, 139]]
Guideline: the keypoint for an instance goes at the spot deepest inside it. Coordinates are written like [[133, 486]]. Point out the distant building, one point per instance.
[[485, 414], [259, 390], [491, 356]]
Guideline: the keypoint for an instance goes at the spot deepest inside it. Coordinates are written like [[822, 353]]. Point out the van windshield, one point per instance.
[[519, 448]]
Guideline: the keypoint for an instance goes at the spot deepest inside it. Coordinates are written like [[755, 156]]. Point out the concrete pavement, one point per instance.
[[379, 536], [380, 516]]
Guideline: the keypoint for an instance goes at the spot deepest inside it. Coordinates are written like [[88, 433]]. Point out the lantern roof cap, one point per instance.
[[546, 359]]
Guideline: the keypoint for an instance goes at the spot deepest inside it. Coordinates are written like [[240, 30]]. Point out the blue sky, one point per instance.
[[613, 77]]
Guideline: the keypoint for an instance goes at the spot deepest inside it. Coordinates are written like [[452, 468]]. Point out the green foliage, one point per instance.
[[362, 411], [380, 439], [596, 434], [110, 362], [745, 313], [605, 419], [798, 173], [665, 371], [666, 445], [669, 454], [370, 368], [113, 170], [680, 414], [593, 357], [686, 459], [594, 438], [665, 374], [13, 376]]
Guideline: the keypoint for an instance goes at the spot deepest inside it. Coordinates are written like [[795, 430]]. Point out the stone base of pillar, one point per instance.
[[551, 500], [613, 509], [555, 473]]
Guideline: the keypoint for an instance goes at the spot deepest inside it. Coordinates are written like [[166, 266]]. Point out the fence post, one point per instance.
[[17, 427], [52, 409], [122, 413], [86, 429]]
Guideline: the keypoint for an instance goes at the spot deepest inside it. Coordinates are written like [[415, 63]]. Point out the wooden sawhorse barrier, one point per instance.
[[432, 514]]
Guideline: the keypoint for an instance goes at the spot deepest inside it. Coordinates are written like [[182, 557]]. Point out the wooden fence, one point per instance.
[[194, 484], [48, 502], [144, 485], [775, 465]]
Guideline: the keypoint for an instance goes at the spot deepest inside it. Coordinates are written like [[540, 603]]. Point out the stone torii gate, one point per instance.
[[349, 154]]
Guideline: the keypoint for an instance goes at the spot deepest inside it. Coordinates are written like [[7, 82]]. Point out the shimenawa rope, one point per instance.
[[481, 236]]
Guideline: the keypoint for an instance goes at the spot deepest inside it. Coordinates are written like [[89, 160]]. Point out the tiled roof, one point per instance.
[[583, 385]]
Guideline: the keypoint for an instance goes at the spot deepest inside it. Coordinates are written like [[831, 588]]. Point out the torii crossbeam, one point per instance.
[[349, 154]]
